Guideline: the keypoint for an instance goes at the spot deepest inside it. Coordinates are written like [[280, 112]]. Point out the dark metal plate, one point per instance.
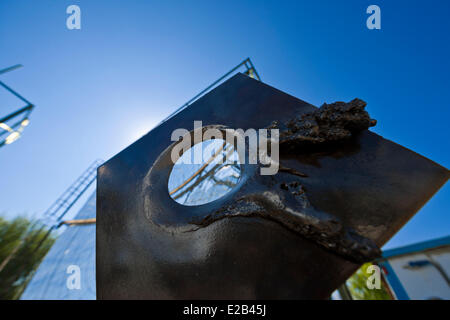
[[373, 185]]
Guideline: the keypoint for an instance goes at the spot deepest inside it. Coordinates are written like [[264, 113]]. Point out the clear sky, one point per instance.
[[100, 88]]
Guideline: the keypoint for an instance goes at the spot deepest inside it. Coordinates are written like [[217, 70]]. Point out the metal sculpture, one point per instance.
[[340, 194]]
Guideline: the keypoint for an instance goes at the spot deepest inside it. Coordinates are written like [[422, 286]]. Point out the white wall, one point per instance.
[[424, 282]]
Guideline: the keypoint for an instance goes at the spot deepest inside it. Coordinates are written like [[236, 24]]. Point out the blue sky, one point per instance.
[[100, 88]]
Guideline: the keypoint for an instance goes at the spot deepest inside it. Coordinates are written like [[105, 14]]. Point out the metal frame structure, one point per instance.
[[65, 202], [14, 131], [250, 70], [56, 212]]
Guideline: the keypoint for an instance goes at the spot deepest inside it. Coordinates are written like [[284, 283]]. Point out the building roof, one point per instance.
[[417, 247]]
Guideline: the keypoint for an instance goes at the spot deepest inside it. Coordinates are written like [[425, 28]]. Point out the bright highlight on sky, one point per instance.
[[132, 63]]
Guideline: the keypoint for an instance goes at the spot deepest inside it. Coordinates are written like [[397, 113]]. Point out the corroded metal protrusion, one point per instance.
[[330, 123]]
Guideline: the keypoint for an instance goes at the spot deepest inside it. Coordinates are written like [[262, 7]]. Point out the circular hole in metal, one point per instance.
[[204, 173]]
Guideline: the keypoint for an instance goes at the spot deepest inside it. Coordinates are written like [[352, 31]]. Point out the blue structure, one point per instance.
[[418, 271], [74, 247]]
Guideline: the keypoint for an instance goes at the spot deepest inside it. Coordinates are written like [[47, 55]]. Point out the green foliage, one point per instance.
[[23, 244], [357, 285]]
